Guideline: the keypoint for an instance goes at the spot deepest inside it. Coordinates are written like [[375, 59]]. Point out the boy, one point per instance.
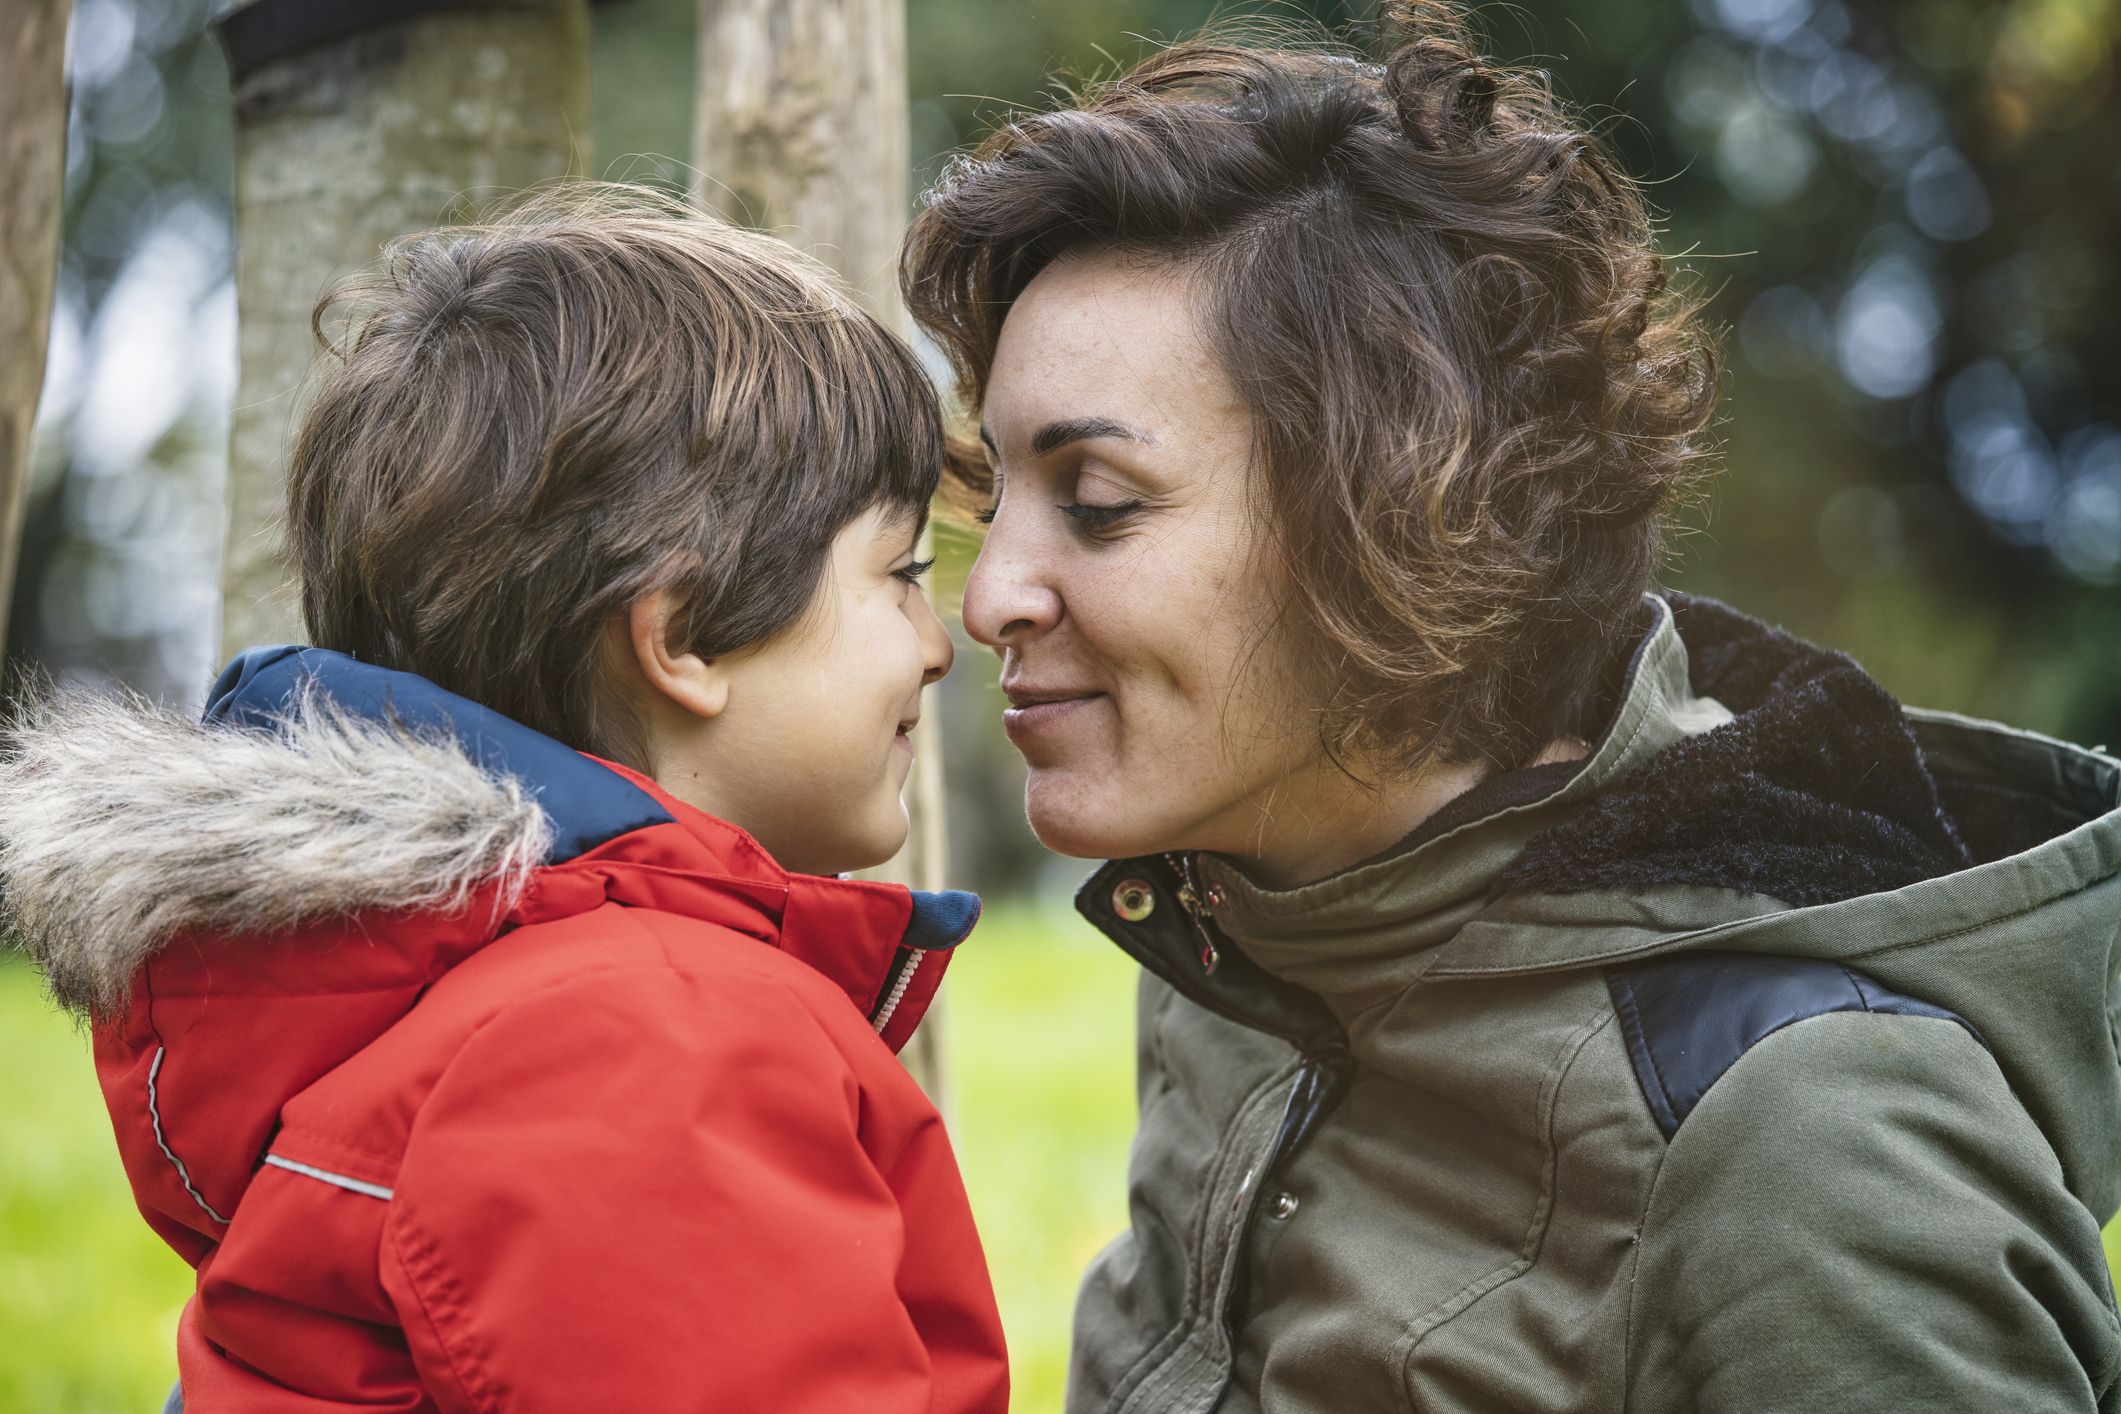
[[469, 1070]]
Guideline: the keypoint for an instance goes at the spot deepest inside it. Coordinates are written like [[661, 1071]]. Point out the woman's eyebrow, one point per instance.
[[1082, 429]]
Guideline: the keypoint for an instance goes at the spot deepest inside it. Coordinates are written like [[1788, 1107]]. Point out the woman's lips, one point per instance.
[[1033, 713]]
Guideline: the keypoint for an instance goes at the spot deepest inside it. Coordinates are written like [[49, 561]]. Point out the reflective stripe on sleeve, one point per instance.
[[340, 1180]]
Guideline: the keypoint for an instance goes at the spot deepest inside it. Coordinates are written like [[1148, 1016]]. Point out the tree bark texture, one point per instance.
[[339, 150], [32, 198], [800, 130]]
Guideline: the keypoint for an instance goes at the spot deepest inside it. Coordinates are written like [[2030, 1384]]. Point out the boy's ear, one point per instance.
[[699, 685]]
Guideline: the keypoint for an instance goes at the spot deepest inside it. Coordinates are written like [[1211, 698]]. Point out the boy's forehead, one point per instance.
[[900, 525]]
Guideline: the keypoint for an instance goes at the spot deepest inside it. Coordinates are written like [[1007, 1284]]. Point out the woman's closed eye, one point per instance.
[[912, 573], [1095, 520]]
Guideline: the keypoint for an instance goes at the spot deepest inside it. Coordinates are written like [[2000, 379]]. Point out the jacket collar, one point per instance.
[[1369, 930], [1752, 793]]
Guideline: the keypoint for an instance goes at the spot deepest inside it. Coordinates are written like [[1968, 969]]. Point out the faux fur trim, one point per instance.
[[1816, 792], [123, 824]]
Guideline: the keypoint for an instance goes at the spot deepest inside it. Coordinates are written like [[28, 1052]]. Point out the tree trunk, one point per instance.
[[800, 129], [338, 150], [32, 194]]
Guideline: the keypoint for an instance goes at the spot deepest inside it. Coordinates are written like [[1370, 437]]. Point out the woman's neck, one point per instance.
[[1344, 820]]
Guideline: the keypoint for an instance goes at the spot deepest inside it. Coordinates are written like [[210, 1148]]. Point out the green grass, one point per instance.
[[88, 1296], [1040, 1031]]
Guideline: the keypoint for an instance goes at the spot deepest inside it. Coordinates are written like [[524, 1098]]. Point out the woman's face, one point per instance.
[[1123, 582]]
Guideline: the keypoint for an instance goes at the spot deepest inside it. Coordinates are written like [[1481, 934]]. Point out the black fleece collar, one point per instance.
[[1817, 791]]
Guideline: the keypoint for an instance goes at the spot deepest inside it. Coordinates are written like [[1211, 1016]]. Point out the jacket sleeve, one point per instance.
[[1860, 1216], [637, 1191]]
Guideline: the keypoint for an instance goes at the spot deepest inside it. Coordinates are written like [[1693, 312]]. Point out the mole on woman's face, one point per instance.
[[1122, 580]]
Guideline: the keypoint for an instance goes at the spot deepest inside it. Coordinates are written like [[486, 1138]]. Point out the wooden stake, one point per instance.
[[32, 195], [800, 129], [339, 149]]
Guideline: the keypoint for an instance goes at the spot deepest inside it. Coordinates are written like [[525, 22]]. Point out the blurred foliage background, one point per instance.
[[1901, 213]]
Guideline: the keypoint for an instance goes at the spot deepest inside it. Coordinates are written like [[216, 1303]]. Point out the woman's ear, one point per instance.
[[698, 685]]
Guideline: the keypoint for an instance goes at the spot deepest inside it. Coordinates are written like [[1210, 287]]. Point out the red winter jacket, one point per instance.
[[475, 1074]]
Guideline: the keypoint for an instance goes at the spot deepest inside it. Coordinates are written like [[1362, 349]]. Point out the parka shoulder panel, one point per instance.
[[1689, 1017]]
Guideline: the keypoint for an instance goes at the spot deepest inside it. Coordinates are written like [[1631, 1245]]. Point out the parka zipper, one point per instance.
[[896, 981], [1189, 897]]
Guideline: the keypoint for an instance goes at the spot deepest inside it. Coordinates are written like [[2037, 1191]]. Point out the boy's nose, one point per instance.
[[937, 651]]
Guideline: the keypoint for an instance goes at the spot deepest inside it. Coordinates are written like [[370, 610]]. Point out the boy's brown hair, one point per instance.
[[533, 423], [1474, 402]]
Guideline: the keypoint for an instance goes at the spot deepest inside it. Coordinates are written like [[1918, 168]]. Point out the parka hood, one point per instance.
[[264, 893], [1757, 794], [316, 788]]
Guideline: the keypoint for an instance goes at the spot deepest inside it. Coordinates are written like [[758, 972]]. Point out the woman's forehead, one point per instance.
[[1109, 290], [1103, 340]]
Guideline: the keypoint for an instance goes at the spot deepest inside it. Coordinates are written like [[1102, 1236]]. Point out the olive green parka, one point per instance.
[[1764, 1060]]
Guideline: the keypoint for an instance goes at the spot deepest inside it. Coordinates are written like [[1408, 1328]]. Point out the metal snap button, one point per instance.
[[1283, 1206], [1134, 900]]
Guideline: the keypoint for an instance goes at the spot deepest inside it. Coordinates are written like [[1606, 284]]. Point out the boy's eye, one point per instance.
[[912, 573], [1097, 519], [986, 517]]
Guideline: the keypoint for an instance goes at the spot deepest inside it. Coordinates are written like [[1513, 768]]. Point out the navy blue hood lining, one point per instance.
[[940, 920], [589, 804]]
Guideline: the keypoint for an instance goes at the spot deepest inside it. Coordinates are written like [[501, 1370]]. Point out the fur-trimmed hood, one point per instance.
[[316, 789], [124, 824]]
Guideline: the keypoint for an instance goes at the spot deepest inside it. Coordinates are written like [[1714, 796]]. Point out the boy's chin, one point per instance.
[[868, 850]]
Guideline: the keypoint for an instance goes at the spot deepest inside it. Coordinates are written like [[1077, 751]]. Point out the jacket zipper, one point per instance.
[[1189, 897], [896, 981]]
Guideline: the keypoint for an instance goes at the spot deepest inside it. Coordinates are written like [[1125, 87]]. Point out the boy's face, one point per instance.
[[809, 751]]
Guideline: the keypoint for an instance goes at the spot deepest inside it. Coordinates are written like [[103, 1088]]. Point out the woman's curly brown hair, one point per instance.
[[1476, 399]]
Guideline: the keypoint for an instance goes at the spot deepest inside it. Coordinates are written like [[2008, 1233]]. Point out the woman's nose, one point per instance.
[[1006, 600]]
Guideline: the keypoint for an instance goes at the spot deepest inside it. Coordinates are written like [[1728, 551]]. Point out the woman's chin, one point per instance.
[[1081, 821]]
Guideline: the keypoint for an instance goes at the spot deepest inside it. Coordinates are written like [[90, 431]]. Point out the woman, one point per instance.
[[1555, 996]]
